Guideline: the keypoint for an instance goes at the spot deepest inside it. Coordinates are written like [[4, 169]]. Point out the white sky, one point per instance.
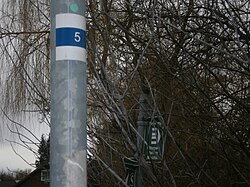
[[8, 158]]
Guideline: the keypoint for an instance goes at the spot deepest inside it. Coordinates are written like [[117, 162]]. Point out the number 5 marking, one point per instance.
[[77, 36]]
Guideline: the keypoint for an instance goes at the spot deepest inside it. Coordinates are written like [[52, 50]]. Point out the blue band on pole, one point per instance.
[[70, 37]]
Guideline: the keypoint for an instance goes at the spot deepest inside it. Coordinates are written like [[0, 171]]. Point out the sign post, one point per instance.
[[144, 113], [68, 139]]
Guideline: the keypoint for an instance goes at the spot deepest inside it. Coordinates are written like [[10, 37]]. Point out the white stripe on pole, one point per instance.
[[70, 20], [70, 53]]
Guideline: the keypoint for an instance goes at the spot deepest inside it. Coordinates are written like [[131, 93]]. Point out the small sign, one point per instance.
[[70, 37], [155, 138], [131, 166]]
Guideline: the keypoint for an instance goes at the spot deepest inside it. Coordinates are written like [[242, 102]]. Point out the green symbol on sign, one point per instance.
[[74, 7]]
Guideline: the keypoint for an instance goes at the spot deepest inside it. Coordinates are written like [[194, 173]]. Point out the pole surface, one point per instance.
[[68, 139], [141, 127]]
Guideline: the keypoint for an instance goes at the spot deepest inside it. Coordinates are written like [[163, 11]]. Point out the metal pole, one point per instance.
[[141, 127], [68, 148]]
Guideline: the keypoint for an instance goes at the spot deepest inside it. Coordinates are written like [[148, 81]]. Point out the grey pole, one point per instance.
[[68, 139], [141, 128]]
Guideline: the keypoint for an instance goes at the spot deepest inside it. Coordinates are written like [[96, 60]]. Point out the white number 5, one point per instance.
[[77, 37]]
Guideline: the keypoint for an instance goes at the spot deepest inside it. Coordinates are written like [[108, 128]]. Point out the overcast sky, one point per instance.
[[8, 158]]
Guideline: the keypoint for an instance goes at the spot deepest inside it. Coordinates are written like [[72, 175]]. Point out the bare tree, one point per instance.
[[192, 55], [24, 48]]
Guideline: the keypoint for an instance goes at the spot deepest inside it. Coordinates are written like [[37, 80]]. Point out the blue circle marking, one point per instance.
[[67, 36]]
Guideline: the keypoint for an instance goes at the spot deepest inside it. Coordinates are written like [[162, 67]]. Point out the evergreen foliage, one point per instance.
[[43, 152]]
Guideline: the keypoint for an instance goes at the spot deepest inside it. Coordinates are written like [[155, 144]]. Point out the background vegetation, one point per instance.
[[192, 55]]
